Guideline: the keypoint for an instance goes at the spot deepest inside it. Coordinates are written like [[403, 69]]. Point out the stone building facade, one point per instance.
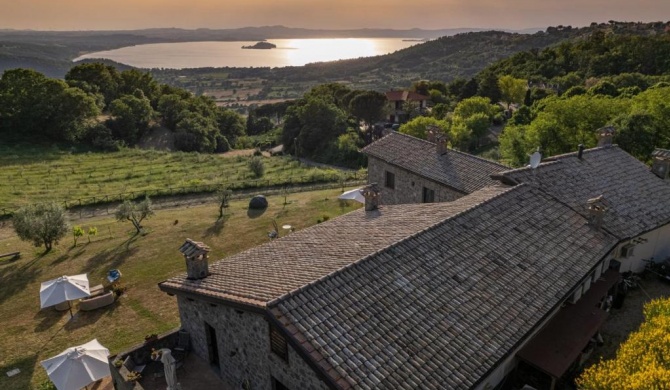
[[413, 170], [242, 345], [399, 185]]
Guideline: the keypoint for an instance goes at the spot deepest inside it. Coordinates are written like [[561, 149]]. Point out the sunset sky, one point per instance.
[[329, 14]]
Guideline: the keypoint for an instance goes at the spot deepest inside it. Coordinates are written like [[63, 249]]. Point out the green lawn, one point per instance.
[[37, 174], [30, 335]]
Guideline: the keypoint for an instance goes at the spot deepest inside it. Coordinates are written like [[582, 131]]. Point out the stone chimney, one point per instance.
[[605, 135], [661, 164], [597, 208], [436, 135], [196, 255], [372, 196]]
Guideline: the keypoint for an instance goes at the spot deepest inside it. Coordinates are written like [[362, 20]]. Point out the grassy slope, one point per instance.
[[37, 174], [31, 335]]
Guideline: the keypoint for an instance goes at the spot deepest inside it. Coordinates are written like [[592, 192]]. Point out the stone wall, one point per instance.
[[408, 186], [243, 340]]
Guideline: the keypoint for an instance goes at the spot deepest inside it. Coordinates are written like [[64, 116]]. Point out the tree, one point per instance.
[[512, 90], [222, 198], [135, 212], [131, 117], [641, 361], [196, 133], [369, 107], [77, 232], [92, 231], [43, 224], [488, 86], [418, 127], [36, 107], [102, 78]]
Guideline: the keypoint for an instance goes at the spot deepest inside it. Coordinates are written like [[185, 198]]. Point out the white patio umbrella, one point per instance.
[[79, 366], [65, 288], [169, 365], [355, 194]]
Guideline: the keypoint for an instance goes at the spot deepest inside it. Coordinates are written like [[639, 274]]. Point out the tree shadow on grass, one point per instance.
[[48, 318], [21, 380], [14, 278], [217, 227], [109, 259]]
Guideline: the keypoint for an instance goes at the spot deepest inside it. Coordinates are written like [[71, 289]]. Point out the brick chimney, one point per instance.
[[605, 135], [372, 196], [597, 208], [196, 255], [661, 164]]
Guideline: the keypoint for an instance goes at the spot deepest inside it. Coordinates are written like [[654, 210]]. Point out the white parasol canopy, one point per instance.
[[65, 288], [170, 367], [79, 366], [355, 194]]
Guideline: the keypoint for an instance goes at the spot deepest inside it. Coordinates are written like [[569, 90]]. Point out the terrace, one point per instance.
[[192, 371]]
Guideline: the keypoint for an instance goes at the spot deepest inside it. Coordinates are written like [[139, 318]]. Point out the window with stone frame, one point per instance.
[[278, 343], [390, 180], [428, 195]]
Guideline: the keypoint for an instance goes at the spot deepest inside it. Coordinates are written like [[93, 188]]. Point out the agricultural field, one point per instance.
[[33, 175], [31, 335]]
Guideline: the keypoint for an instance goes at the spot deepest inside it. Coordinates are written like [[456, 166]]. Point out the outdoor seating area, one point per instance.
[[96, 297], [149, 360]]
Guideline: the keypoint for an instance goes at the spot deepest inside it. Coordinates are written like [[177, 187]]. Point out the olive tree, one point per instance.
[[135, 212], [43, 224]]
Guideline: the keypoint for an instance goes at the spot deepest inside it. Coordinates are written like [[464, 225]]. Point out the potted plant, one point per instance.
[[133, 376], [118, 363], [156, 354]]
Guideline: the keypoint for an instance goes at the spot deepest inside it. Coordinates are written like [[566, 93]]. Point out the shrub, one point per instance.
[[256, 166]]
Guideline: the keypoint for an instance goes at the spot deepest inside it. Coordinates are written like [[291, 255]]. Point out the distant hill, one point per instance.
[[610, 49], [51, 52]]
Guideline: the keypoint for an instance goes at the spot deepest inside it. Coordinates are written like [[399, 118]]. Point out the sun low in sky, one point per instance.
[[325, 14]]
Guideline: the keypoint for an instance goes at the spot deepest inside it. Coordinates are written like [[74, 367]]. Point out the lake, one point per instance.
[[289, 52]]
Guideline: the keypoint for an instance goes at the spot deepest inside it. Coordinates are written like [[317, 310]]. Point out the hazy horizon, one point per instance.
[[81, 15]]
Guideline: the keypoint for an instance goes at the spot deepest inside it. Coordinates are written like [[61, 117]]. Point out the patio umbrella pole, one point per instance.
[[69, 306]]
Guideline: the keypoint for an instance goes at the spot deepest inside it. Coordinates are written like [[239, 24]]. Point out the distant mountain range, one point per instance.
[[52, 52]]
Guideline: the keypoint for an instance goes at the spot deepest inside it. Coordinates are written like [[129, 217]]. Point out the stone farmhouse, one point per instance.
[[398, 104], [412, 170], [454, 293]]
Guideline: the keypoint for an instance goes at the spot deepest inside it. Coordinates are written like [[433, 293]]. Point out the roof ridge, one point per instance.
[[527, 167], [338, 271], [589, 150], [448, 150], [477, 157]]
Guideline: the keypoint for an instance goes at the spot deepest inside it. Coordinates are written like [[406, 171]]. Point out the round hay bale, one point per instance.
[[258, 202]]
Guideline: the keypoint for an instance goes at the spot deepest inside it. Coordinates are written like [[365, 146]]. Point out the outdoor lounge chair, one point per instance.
[[97, 301], [130, 365]]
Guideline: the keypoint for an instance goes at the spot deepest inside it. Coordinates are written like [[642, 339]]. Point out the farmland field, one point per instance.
[[33, 175]]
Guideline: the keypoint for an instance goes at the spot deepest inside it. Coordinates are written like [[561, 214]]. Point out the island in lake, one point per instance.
[[261, 45]]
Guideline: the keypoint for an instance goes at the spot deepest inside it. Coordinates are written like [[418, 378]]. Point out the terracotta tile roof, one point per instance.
[[460, 171], [638, 200], [404, 96], [263, 273], [441, 308]]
